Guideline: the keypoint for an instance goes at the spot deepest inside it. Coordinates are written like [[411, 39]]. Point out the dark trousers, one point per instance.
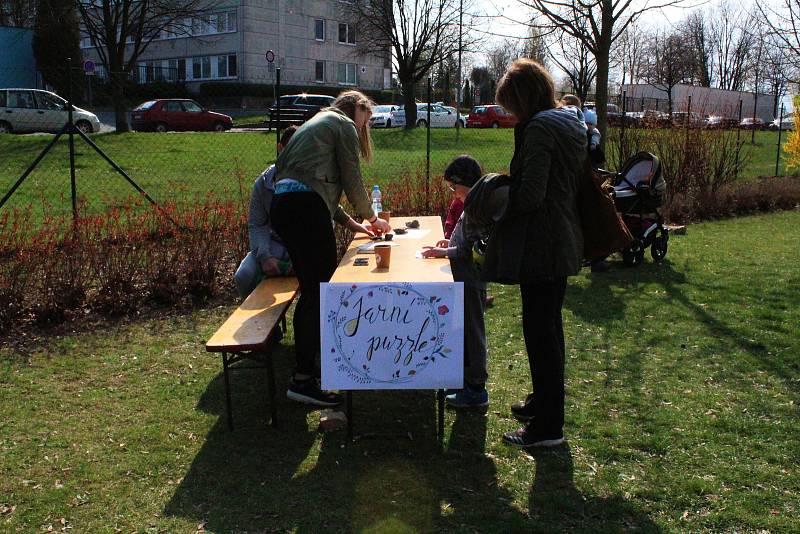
[[474, 336], [544, 340], [304, 223]]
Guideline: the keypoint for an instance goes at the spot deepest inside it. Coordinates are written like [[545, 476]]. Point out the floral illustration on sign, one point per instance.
[[387, 334]]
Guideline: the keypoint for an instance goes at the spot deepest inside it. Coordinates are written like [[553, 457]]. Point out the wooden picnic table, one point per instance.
[[405, 267]]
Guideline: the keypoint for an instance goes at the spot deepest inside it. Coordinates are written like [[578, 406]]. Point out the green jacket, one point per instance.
[[324, 154]]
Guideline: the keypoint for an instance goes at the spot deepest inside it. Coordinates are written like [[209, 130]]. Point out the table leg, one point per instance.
[[440, 412], [227, 390], [273, 406], [349, 410]]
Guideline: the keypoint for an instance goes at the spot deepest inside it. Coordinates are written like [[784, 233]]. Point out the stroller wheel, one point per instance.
[[633, 256], [659, 248]]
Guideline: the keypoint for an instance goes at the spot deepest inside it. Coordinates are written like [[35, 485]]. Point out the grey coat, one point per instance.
[[540, 237]]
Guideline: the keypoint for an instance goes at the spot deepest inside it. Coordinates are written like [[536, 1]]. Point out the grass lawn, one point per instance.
[[184, 166], [682, 415]]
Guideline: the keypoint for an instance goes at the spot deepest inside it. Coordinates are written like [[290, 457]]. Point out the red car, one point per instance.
[[177, 114], [491, 116]]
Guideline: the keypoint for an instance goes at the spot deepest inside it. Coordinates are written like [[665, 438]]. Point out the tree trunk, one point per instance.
[[118, 98], [409, 104], [601, 91]]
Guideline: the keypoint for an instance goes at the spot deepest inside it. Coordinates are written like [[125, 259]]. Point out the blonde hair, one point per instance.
[[526, 89], [347, 102]]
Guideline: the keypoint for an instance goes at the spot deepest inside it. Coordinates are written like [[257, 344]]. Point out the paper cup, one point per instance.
[[383, 256], [385, 215]]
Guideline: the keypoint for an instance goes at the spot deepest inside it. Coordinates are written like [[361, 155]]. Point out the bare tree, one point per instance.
[[17, 13], [501, 55], [535, 46], [732, 45], [598, 24], [777, 71], [418, 33], [121, 30], [784, 25], [668, 63], [628, 53], [698, 37], [575, 60]]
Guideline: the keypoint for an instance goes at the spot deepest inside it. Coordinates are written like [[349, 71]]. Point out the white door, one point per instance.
[[443, 118], [21, 111], [51, 112]]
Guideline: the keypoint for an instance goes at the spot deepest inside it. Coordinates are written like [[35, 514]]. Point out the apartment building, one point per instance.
[[314, 43]]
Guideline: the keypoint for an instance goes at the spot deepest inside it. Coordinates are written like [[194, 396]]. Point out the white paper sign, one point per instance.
[[392, 336]]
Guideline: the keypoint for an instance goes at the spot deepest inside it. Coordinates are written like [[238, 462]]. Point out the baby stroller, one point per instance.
[[638, 192]]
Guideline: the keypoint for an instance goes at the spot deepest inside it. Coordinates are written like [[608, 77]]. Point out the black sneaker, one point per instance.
[[529, 437], [523, 410], [308, 392]]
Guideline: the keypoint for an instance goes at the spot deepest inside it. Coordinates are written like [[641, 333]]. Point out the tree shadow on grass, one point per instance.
[[556, 504], [603, 300]]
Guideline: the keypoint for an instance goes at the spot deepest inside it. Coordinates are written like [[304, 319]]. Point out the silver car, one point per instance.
[[34, 110]]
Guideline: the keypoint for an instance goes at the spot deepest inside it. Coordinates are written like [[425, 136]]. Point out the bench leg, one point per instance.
[[271, 390], [227, 390]]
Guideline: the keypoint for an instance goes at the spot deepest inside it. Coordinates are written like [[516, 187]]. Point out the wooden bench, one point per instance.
[[249, 332], [288, 117]]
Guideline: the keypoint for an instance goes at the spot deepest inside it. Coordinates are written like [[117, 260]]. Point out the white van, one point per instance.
[[33, 110]]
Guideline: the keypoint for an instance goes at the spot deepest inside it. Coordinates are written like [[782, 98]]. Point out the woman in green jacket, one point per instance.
[[319, 163]]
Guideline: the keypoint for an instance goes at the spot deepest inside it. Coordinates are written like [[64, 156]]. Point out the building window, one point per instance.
[[208, 67], [319, 71], [319, 30], [226, 66], [346, 74], [347, 34]]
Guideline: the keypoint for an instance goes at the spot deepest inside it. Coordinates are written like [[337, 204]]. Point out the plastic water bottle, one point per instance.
[[376, 200]]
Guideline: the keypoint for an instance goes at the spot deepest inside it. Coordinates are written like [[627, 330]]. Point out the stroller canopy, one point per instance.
[[643, 168]]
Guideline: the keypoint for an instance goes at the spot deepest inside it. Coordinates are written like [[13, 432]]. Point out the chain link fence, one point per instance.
[[216, 142]]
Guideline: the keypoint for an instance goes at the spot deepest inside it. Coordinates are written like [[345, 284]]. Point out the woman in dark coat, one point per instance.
[[539, 243]]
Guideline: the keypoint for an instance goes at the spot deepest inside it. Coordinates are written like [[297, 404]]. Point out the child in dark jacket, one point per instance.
[[462, 173]]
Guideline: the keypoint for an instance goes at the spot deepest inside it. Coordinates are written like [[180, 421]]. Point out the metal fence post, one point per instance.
[[428, 152], [778, 155], [70, 133], [738, 138], [277, 108]]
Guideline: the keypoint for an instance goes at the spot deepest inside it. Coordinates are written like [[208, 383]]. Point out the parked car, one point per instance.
[[33, 110], [299, 108], [490, 116], [440, 117], [752, 123], [680, 118], [717, 121], [613, 113], [462, 119], [382, 117], [786, 125], [177, 114]]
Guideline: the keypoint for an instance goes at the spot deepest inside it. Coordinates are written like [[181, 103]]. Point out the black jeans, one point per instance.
[[544, 341], [304, 223]]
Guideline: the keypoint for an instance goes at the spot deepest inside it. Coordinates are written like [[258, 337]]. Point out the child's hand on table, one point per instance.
[[434, 252]]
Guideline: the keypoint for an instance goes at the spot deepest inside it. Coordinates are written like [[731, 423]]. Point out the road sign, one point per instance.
[[270, 55], [88, 67]]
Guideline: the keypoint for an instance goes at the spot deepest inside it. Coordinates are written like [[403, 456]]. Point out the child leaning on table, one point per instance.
[[267, 255], [462, 173]]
